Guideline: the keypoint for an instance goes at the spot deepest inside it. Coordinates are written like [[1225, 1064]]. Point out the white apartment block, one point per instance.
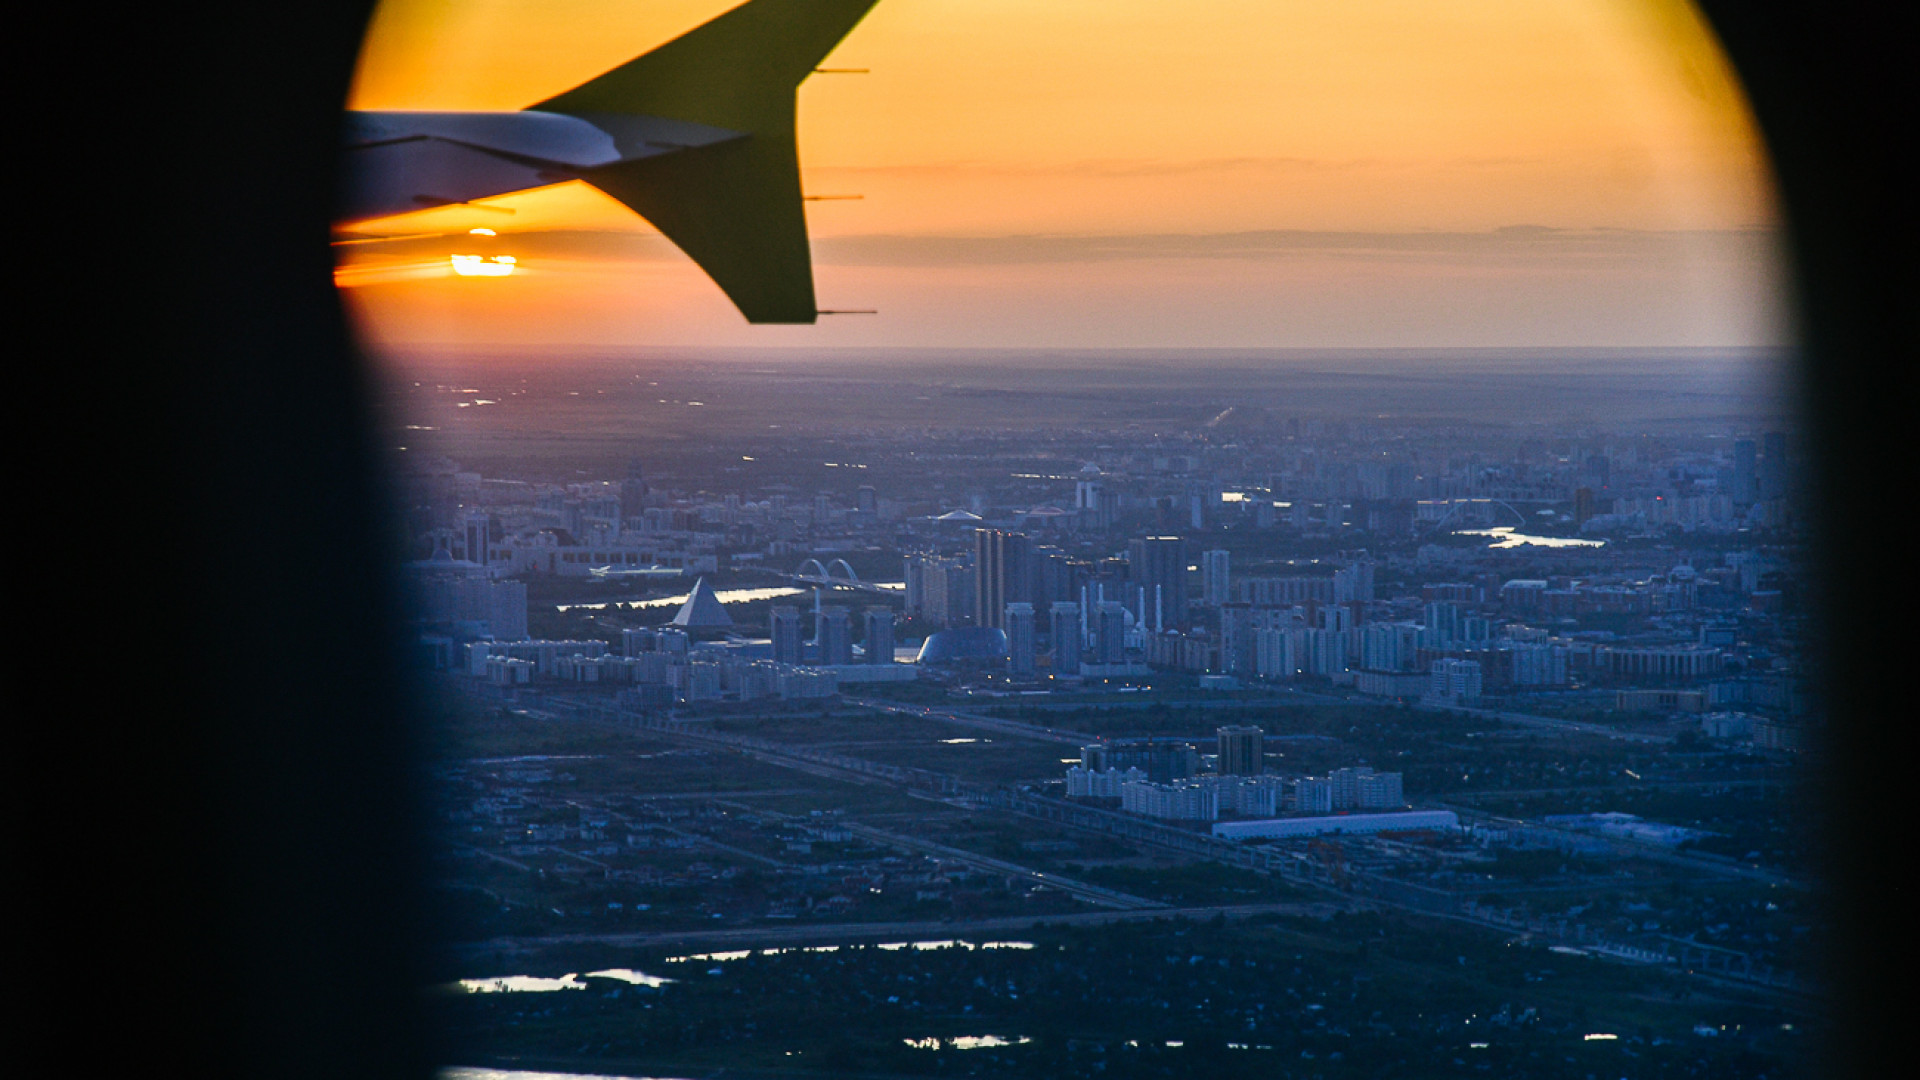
[[1454, 681], [1363, 789], [1276, 654], [1183, 800], [1083, 783]]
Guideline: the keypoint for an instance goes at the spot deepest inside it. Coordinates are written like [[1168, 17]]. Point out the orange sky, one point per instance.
[[1083, 172]]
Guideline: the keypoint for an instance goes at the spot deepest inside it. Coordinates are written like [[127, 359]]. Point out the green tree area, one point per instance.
[[1194, 883], [1352, 996]]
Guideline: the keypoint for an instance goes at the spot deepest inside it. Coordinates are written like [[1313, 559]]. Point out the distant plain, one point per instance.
[[556, 414]]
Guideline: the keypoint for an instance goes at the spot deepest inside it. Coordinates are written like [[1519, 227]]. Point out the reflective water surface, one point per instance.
[[1507, 538]]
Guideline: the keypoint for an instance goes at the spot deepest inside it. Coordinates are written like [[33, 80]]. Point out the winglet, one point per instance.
[[734, 206]]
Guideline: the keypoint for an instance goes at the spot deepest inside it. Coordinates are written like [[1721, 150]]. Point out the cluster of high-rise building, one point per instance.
[[461, 599], [1164, 556], [1306, 476], [832, 643]]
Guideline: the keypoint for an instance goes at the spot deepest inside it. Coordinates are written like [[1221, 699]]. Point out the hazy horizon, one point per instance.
[[593, 409]]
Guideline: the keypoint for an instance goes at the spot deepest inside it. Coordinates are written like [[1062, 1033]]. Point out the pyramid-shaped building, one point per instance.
[[703, 610]]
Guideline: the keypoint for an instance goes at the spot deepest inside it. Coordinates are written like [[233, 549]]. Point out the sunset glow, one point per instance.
[[1380, 172], [482, 265]]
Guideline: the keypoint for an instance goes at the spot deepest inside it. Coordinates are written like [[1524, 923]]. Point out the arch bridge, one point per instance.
[[1460, 502], [838, 574], [823, 574]]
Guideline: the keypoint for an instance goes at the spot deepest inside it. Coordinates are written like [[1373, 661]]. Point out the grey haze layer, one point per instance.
[[797, 389]]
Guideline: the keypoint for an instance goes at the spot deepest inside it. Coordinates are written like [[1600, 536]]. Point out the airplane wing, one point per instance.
[[734, 206], [403, 161]]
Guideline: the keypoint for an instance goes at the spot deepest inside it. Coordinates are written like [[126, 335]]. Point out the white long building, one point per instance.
[[1338, 824], [1204, 798], [545, 655], [653, 660], [1251, 796]]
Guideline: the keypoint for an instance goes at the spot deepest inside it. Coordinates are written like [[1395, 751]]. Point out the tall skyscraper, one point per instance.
[[1018, 620], [879, 620], [990, 576], [1353, 582], [950, 593], [1746, 485], [1236, 638], [1442, 625], [1241, 750], [1388, 646], [476, 535], [1600, 471], [1325, 651], [1278, 653], [1400, 480], [914, 577], [1000, 566], [1050, 576], [1090, 500], [1772, 474], [1158, 566], [833, 635], [1020, 568], [1110, 633], [1067, 640], [1454, 680], [1106, 579], [785, 631], [1213, 577], [633, 492], [939, 589], [1086, 494]]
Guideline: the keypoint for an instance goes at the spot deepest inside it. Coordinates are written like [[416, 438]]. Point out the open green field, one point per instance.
[[995, 759], [1380, 994], [827, 727]]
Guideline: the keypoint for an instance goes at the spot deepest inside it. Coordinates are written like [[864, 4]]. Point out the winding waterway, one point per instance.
[[1505, 537]]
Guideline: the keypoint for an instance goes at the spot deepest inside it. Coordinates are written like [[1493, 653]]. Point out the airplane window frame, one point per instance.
[[274, 832]]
